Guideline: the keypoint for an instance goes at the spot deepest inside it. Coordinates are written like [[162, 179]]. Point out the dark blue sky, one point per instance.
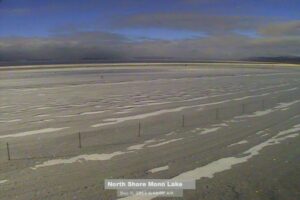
[[150, 21], [41, 18]]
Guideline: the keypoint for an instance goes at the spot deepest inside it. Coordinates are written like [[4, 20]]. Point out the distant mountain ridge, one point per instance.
[[278, 59]]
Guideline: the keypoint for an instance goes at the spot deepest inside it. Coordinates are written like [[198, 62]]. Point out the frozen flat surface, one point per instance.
[[195, 122]]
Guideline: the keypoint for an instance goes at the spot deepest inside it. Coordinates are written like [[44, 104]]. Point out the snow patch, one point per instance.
[[43, 108], [92, 112], [136, 147], [256, 114], [10, 121], [158, 169], [171, 133], [209, 130], [166, 142], [46, 130], [240, 142], [141, 116], [44, 115], [286, 105], [292, 130], [3, 181], [93, 157]]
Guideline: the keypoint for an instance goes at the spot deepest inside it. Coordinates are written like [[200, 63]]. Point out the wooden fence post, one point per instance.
[[8, 152], [79, 139], [139, 133]]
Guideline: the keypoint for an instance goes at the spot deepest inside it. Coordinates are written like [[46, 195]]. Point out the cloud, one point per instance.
[[214, 24], [221, 47], [109, 46], [290, 28], [83, 45]]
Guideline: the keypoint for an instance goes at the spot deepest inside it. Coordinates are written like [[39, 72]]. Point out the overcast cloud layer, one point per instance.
[[220, 37]]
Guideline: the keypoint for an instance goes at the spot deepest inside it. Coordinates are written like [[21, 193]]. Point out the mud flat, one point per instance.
[[234, 129]]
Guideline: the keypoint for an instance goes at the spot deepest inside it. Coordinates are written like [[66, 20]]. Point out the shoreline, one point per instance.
[[147, 64]]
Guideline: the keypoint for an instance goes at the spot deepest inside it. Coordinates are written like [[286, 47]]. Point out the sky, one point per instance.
[[148, 29]]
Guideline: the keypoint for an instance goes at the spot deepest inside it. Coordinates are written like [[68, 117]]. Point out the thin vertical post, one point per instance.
[[8, 152], [139, 133], [183, 121], [79, 139], [217, 113]]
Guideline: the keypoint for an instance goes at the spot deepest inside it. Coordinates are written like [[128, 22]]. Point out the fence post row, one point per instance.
[[217, 117]]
